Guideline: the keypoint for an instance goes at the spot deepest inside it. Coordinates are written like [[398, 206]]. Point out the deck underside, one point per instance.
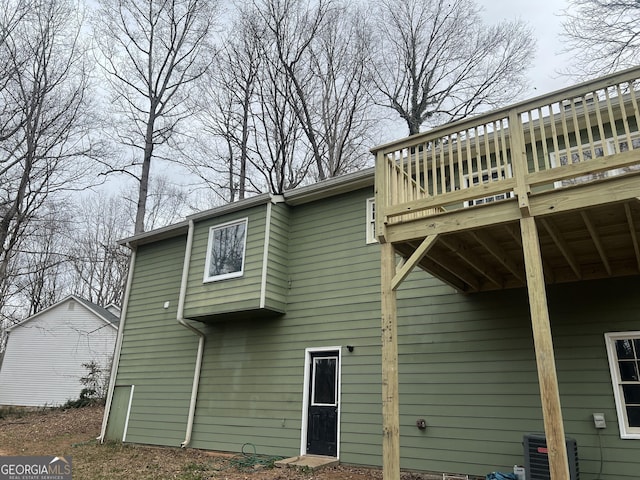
[[597, 240]]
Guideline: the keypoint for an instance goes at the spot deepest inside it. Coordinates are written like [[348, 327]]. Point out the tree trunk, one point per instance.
[[144, 176]]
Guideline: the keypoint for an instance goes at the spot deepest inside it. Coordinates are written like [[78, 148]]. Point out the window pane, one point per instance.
[[227, 250], [325, 381], [633, 415], [631, 393], [624, 348], [628, 371]]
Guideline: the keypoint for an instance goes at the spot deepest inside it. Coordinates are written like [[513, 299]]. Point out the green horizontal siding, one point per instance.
[[277, 280], [252, 380], [241, 294], [466, 362], [158, 355], [467, 366], [234, 294]]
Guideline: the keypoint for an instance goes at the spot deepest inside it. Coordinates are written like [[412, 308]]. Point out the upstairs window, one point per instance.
[[599, 150], [226, 251], [371, 220], [623, 350], [609, 147], [487, 176]]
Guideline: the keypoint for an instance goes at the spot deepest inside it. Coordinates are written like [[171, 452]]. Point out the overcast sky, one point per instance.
[[545, 17]]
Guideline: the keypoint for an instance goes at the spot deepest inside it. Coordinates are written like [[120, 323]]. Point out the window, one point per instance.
[[623, 146], [225, 252], [483, 177], [623, 350], [587, 154], [600, 150], [371, 220], [324, 387]]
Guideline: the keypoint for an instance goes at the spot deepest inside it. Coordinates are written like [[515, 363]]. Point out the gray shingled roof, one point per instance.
[[103, 312]]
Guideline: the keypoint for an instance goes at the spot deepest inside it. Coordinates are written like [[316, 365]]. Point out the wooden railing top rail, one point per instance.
[[570, 136], [566, 93]]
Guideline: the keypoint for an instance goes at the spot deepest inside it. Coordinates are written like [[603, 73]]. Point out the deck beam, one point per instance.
[[614, 190]]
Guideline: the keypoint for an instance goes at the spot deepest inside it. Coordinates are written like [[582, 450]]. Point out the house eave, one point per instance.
[[261, 199], [151, 236], [330, 187], [74, 298], [310, 193], [181, 228]]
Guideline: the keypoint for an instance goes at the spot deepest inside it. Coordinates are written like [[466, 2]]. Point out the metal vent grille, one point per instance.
[[536, 458]]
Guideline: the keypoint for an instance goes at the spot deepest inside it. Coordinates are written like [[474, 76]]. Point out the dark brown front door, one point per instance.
[[322, 427]]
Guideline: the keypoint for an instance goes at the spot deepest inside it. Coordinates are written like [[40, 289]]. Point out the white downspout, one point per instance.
[[181, 321], [116, 353]]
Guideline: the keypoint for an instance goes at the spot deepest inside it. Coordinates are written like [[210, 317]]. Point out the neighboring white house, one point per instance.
[[42, 363]]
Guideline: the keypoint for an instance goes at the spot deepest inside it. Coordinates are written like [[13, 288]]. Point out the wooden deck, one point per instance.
[[544, 191], [570, 159]]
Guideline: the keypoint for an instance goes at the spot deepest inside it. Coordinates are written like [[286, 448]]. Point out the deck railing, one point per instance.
[[575, 135]]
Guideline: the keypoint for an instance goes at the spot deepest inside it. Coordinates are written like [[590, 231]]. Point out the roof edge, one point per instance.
[[153, 235], [75, 298], [297, 196], [261, 199], [331, 187]]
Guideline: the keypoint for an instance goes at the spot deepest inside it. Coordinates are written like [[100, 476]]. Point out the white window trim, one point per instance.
[[225, 276], [507, 173], [371, 221], [585, 147], [608, 147], [626, 432], [611, 146]]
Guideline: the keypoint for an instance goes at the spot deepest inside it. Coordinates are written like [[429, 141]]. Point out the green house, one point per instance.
[[266, 321]]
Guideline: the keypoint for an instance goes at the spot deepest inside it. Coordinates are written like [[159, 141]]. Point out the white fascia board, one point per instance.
[[331, 187]]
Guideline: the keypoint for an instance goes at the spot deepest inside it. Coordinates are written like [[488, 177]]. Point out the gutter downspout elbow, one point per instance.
[[181, 320]]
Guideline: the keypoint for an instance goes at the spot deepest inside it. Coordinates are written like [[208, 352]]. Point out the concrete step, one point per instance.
[[312, 462]]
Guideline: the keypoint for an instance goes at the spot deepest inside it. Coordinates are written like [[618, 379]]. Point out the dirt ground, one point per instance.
[[72, 433]]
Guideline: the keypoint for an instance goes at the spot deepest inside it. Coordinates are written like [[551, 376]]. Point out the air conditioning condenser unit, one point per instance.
[[536, 457]]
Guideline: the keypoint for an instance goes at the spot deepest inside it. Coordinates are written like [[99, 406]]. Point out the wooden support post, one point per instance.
[[390, 396], [543, 342], [519, 161]]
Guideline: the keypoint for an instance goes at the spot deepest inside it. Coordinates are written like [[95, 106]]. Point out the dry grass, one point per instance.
[[72, 433]]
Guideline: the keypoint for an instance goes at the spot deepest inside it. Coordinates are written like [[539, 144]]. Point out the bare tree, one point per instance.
[[98, 264], [250, 113], [153, 52], [278, 152], [439, 62], [340, 56], [227, 100], [604, 36], [291, 26], [167, 203], [43, 268], [47, 131], [12, 13], [289, 100]]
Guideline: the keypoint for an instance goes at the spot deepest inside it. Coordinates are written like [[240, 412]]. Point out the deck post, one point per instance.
[[543, 342], [390, 395], [519, 160]]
